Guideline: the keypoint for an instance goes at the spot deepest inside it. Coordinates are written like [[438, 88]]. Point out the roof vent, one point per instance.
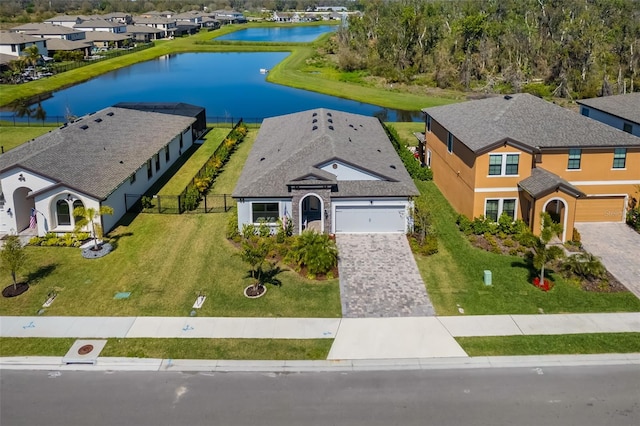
[[315, 120], [98, 120], [392, 166], [507, 97], [315, 128], [330, 120], [351, 125], [314, 114], [110, 114], [84, 127], [262, 159], [329, 114], [330, 127], [379, 150]]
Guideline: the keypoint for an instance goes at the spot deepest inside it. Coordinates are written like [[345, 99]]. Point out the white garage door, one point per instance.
[[370, 219]]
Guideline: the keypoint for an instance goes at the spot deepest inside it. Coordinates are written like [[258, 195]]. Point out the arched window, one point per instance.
[[77, 203], [62, 213]]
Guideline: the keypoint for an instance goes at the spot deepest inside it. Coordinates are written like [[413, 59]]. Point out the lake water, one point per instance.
[[228, 85], [279, 34]]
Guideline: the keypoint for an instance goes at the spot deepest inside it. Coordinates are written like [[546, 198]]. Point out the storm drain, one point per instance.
[[84, 352]]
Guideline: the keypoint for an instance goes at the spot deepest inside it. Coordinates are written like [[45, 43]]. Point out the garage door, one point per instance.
[[600, 209], [370, 219]]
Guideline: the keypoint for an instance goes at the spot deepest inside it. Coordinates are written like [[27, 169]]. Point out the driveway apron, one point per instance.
[[618, 247], [379, 277]]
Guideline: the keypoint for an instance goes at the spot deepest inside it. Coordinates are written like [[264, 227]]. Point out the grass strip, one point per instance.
[[232, 349], [10, 136], [185, 174], [569, 344]]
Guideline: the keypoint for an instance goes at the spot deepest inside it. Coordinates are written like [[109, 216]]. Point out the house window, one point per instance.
[[627, 127], [62, 213], [76, 204], [132, 178], [267, 212], [181, 143], [503, 164], [494, 208], [156, 159], [574, 159], [584, 111], [166, 154], [149, 169], [620, 158], [428, 123], [449, 142], [428, 158]]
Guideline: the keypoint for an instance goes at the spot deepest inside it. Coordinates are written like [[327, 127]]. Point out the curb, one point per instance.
[[295, 366]]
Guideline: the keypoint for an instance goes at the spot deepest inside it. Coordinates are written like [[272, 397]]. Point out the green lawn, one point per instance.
[[11, 136], [187, 171], [236, 349], [454, 277], [597, 343], [407, 129]]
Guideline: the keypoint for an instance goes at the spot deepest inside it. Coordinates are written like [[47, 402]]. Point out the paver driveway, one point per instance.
[[379, 277], [618, 246]]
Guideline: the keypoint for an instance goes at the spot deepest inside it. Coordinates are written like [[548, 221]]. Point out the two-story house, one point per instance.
[[521, 155], [620, 111], [50, 31], [166, 25], [14, 44]]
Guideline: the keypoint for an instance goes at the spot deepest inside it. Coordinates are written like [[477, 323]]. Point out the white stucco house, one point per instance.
[[93, 161], [331, 171], [14, 44], [619, 111]]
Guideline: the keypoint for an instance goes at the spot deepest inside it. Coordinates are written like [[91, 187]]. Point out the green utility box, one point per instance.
[[487, 277]]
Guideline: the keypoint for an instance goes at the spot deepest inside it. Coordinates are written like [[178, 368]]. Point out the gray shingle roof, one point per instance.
[[45, 29], [59, 44], [294, 145], [542, 182], [624, 106], [96, 160], [17, 38], [483, 124]]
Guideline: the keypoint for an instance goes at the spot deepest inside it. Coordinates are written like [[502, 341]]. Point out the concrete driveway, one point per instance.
[[618, 246], [379, 277]]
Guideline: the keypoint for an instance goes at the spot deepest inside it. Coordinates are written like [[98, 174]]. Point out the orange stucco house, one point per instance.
[[521, 155]]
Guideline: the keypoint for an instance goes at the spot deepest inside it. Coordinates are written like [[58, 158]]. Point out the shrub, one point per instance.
[[427, 247], [147, 202], [232, 227], [464, 224], [584, 265], [317, 252], [481, 225], [414, 168], [575, 237], [633, 219]]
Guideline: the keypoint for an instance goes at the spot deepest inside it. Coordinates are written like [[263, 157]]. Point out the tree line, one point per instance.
[[565, 48]]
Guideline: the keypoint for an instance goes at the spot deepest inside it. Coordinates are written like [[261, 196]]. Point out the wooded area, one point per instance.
[[565, 48]]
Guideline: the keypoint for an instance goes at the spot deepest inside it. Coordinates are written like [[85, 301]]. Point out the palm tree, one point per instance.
[[87, 216], [545, 253], [13, 257], [32, 56], [39, 113]]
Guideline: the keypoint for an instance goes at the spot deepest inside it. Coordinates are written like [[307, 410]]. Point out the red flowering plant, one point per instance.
[[544, 285]]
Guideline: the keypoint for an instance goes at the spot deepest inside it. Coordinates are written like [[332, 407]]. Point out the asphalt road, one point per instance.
[[500, 396]]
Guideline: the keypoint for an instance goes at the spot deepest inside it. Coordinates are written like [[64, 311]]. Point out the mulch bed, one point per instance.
[[11, 292]]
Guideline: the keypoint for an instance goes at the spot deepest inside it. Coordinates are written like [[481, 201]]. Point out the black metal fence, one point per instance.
[[171, 204]]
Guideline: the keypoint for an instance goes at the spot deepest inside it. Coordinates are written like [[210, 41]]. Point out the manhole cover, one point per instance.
[[85, 349]]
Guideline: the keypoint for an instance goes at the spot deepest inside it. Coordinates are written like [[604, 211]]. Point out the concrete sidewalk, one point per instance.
[[355, 338]]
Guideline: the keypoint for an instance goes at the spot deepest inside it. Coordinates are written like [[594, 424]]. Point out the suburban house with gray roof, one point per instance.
[[95, 160], [619, 111], [520, 155], [326, 170]]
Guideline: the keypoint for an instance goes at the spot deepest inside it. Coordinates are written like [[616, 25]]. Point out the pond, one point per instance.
[[228, 85], [294, 34]]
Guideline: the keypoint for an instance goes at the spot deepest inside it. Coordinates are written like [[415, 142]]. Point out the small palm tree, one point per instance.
[[32, 56], [254, 252], [87, 216], [544, 253], [13, 257]]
